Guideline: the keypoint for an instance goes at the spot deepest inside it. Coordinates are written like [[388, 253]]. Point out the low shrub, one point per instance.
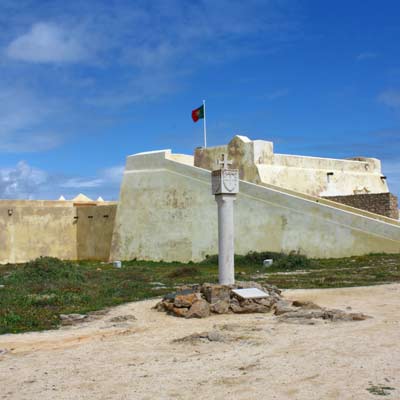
[[291, 261]]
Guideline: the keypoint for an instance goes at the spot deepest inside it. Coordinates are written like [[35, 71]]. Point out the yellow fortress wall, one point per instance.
[[34, 228]]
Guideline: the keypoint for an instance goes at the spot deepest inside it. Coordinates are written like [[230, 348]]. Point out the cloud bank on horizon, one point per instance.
[[83, 84]]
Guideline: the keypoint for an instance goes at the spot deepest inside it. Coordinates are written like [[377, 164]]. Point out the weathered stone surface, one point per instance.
[[171, 296], [215, 293], [186, 300], [220, 307], [123, 318], [180, 312], [339, 315], [308, 305], [306, 314], [169, 306], [267, 302], [282, 307], [160, 306], [322, 313], [199, 309], [72, 319], [248, 306], [212, 336], [247, 285]]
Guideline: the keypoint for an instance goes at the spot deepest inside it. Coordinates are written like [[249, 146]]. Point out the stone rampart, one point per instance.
[[378, 203], [316, 176]]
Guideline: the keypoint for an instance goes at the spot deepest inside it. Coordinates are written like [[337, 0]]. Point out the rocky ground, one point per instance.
[[135, 352]]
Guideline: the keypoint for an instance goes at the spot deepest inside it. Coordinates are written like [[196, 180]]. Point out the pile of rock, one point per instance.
[[200, 301], [300, 311]]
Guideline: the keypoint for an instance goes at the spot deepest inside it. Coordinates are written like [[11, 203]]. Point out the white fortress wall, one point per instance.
[[166, 212], [316, 176]]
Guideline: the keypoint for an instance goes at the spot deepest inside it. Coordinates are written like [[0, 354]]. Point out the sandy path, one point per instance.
[[262, 359]]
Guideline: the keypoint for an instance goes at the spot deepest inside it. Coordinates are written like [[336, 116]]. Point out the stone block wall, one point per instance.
[[379, 203]]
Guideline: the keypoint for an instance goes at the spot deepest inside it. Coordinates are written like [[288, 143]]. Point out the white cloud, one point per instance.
[[142, 51], [366, 56], [21, 182], [26, 182], [48, 43], [106, 183], [113, 174], [78, 183], [277, 94], [390, 98]]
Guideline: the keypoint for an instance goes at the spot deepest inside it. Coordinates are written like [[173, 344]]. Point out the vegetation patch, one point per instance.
[[380, 390], [34, 294]]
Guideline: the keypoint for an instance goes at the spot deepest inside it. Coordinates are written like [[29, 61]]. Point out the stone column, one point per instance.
[[225, 186], [226, 236]]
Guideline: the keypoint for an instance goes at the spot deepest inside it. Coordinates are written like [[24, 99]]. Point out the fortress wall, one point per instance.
[[316, 182], [369, 165], [50, 228], [37, 229], [182, 158], [166, 212], [257, 163], [94, 231], [379, 203]]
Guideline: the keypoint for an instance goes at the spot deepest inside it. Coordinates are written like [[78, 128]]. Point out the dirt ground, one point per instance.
[[260, 358]]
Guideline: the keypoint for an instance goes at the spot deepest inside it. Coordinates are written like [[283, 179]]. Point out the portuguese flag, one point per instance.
[[198, 113]]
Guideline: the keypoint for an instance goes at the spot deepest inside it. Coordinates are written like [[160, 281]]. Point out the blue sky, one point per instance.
[[84, 84]]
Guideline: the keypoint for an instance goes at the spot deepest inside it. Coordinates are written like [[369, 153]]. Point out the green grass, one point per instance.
[[36, 293]]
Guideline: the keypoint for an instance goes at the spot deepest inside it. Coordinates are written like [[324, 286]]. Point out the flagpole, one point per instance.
[[204, 124]]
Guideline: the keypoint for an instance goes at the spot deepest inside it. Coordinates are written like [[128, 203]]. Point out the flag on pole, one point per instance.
[[198, 113]]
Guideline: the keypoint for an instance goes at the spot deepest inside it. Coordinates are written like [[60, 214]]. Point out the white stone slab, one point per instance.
[[251, 293]]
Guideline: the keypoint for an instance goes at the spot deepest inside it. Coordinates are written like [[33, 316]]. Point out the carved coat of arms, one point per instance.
[[230, 180]]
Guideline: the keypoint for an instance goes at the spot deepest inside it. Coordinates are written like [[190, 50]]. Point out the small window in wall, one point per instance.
[[329, 176]]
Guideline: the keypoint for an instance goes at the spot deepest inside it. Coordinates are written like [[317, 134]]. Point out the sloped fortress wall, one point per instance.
[[63, 229], [257, 163], [166, 212]]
